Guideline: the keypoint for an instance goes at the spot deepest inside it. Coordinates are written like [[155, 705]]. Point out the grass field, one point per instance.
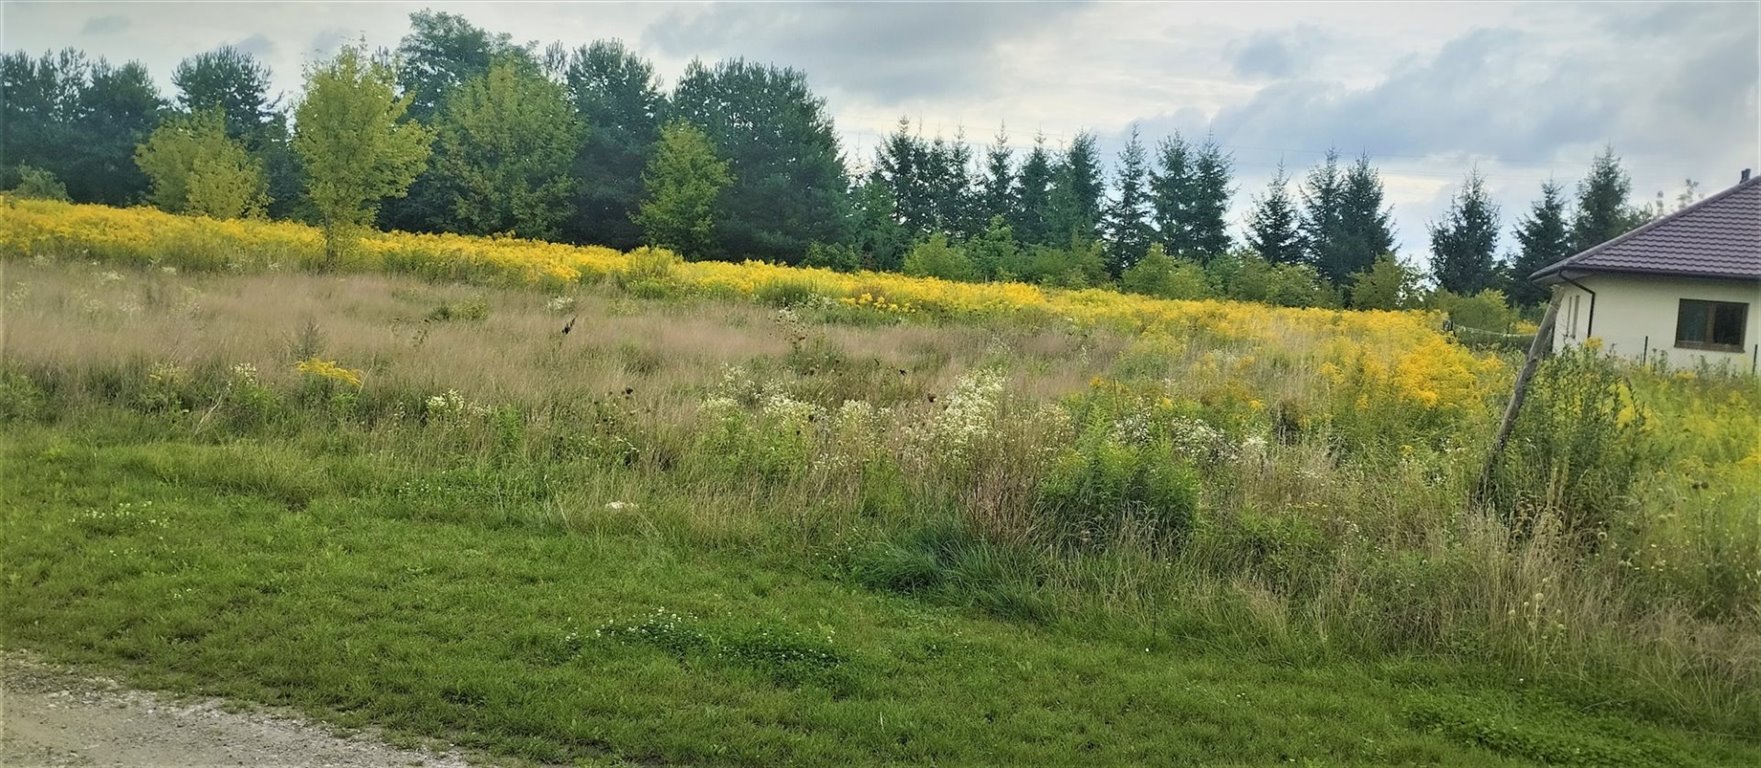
[[773, 526]]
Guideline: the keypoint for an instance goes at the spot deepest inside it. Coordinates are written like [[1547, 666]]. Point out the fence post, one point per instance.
[[1537, 349]]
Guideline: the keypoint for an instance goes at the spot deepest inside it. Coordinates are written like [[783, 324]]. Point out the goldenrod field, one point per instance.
[[744, 513]]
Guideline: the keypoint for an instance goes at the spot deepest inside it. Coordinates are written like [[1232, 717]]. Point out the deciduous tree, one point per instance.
[[356, 148], [684, 181]]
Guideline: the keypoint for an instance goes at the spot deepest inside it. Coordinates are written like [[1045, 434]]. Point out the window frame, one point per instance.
[[1712, 308]]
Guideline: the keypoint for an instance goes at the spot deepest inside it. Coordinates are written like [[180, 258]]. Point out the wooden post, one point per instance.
[[1537, 349]]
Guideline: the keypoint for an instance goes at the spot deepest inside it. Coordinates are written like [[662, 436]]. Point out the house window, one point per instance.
[[1711, 325]]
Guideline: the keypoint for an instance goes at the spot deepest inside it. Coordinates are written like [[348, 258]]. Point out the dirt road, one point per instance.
[[49, 717]]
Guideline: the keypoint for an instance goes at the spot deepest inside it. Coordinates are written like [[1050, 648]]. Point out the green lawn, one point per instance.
[[350, 587]]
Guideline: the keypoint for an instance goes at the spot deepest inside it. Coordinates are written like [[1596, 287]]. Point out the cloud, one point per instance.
[[256, 45], [1278, 54], [873, 52], [105, 25]]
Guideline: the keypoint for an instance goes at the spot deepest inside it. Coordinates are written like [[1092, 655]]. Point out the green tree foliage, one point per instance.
[[1463, 244], [995, 254], [1244, 276], [996, 187], [1603, 212], [231, 81], [1032, 217], [1080, 264], [39, 110], [507, 141], [1482, 311], [934, 257], [1323, 205], [442, 52], [930, 182], [79, 120], [1205, 218], [684, 181], [900, 164], [1126, 218], [617, 96], [1387, 284], [1171, 186], [1077, 187], [1275, 231], [356, 148], [235, 83], [120, 106], [1163, 276], [879, 238], [196, 168], [38, 184], [1544, 237], [1345, 224], [789, 183]]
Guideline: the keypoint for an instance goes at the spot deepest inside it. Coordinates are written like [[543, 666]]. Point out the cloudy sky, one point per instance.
[[1523, 91]]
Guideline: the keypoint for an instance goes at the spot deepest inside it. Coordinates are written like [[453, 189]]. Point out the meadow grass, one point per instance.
[[708, 532]]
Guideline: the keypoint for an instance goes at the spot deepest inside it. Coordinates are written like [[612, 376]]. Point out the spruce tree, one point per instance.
[[1323, 206], [1603, 212], [1364, 229], [900, 163], [1274, 232], [996, 193], [1463, 243], [1545, 238], [1206, 217], [1031, 219], [1128, 233], [1077, 188], [1171, 188]]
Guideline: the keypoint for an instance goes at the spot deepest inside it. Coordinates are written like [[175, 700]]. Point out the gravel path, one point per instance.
[[49, 717]]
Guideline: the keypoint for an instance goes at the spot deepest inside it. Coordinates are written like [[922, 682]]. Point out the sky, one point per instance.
[[1522, 92]]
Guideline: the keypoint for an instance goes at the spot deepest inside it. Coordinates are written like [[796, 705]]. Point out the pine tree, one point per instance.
[[1274, 232], [1463, 243], [1206, 217], [1171, 189], [789, 185], [616, 94], [231, 80], [1545, 238], [1603, 212], [1128, 233], [1031, 218]]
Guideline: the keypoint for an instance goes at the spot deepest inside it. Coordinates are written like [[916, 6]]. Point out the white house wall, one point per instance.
[[1635, 316]]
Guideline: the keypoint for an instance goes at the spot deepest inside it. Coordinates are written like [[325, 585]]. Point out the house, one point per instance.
[[1684, 290]]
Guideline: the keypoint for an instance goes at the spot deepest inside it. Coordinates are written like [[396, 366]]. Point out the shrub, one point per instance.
[[1106, 486], [38, 184], [1577, 448]]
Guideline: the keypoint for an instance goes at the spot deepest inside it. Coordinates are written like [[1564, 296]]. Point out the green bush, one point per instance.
[[1108, 486], [1578, 447], [38, 184]]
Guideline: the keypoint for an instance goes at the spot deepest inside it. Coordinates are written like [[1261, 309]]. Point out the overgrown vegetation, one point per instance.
[[861, 537]]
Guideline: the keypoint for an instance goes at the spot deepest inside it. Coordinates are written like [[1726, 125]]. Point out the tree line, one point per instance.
[[461, 130]]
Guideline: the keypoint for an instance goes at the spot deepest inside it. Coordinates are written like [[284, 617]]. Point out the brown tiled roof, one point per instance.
[[1719, 237]]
